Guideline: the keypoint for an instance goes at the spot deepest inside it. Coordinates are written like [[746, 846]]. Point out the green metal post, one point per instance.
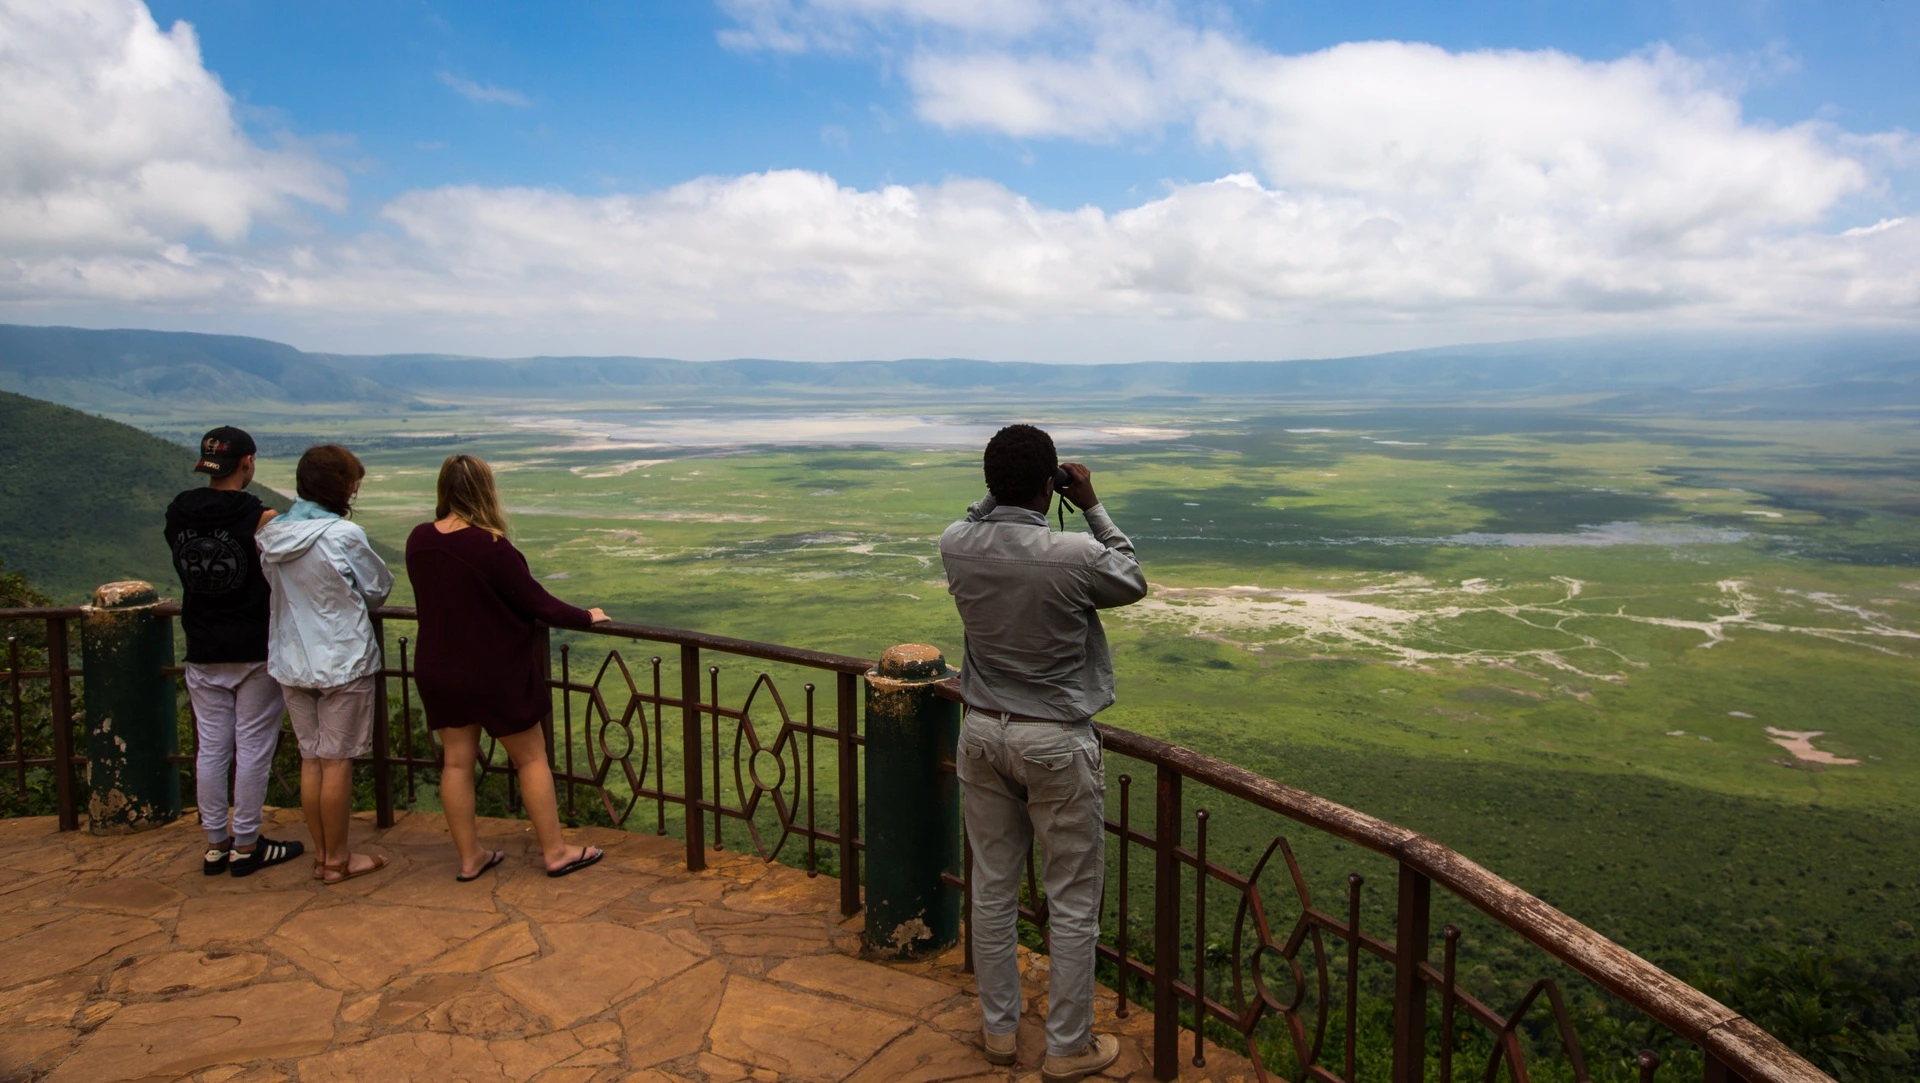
[[132, 724], [913, 805]]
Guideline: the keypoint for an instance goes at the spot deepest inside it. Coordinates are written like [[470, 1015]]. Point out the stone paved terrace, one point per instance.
[[119, 960]]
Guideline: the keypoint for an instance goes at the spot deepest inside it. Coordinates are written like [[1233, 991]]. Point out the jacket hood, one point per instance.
[[287, 539]]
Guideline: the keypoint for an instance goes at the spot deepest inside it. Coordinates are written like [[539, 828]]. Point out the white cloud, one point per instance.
[[482, 93], [791, 243], [114, 138], [1387, 186], [1646, 153]]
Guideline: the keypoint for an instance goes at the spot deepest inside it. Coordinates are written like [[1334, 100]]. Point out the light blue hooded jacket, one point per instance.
[[325, 580]]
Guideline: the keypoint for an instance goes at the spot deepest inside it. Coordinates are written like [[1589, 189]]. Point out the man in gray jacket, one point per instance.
[[1037, 670]]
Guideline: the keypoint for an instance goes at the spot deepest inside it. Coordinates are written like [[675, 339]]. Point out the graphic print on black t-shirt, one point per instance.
[[210, 562], [225, 605]]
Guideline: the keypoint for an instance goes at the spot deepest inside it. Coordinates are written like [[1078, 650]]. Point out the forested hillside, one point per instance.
[[82, 498]]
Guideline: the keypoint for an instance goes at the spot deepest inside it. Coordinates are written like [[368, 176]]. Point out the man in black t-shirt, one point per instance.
[[236, 705]]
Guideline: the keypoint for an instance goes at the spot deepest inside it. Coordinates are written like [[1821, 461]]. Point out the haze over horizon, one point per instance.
[[1091, 180]]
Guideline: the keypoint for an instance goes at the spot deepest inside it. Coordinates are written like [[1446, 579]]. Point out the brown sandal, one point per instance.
[[345, 869]]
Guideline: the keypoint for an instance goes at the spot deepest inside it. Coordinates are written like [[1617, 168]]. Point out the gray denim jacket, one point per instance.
[[1028, 598]]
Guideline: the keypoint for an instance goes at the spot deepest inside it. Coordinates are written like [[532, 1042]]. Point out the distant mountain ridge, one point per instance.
[[116, 369], [102, 369]]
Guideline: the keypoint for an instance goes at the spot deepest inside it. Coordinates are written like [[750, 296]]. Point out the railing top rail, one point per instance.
[[44, 612], [747, 648], [680, 637]]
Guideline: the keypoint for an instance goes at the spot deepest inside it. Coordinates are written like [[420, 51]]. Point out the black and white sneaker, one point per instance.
[[214, 861], [265, 852]]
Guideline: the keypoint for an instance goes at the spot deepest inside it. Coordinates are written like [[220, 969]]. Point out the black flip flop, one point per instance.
[[587, 857], [497, 858]]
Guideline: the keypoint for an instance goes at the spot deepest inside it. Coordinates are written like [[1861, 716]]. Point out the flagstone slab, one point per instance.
[[671, 1021], [651, 854], [233, 1073], [435, 887], [74, 943], [531, 891], [787, 891], [802, 1036], [238, 918], [924, 1056], [499, 947], [421, 1057], [879, 986], [182, 971], [524, 1059], [485, 1013], [762, 936], [39, 891], [14, 924], [592, 966], [139, 896], [24, 1052], [46, 1003], [399, 1005], [604, 1032], [176, 1036], [703, 889], [359, 946]]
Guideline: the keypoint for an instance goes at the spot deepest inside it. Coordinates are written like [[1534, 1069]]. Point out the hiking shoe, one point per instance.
[[1100, 1052], [1000, 1047], [265, 852], [214, 862]]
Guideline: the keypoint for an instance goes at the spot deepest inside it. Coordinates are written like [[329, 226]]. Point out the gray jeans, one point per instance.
[[236, 718], [1022, 780]]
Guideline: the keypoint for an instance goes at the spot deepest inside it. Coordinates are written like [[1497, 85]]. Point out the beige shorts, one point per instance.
[[333, 723]]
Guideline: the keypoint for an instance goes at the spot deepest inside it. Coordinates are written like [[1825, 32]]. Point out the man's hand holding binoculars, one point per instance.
[[1075, 482]]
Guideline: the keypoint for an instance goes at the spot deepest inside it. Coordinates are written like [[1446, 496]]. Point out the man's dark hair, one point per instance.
[[1019, 460], [326, 475]]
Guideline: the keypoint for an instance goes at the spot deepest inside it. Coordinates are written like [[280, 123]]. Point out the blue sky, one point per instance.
[[1080, 180], [643, 95]]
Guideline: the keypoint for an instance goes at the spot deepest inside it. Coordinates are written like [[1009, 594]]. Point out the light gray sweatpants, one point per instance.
[[1023, 780], [236, 712]]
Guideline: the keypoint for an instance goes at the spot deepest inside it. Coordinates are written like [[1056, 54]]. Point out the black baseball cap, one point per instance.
[[222, 449]]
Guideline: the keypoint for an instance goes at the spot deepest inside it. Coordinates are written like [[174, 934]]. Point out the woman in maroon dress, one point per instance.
[[480, 665]]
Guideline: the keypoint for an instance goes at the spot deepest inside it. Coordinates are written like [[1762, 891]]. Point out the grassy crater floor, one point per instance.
[[1584, 649]]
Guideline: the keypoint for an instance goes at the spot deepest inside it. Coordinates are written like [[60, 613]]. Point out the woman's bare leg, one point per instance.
[[312, 782], [529, 751], [459, 751], [336, 810]]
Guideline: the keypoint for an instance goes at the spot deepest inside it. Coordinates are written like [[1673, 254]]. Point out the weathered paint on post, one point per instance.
[[913, 805], [131, 723]]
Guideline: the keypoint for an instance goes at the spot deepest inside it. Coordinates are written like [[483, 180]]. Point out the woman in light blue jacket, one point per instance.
[[321, 646]]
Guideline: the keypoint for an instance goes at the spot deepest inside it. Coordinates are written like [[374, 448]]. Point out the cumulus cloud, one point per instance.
[[793, 243], [482, 93], [1385, 185], [114, 138]]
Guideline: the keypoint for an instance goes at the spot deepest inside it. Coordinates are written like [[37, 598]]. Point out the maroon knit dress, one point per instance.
[[478, 658]]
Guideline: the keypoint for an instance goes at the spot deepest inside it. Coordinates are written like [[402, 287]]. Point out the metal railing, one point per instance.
[[43, 721], [643, 742]]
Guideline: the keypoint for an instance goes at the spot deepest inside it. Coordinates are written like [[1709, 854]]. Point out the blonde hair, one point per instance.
[[466, 489]]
